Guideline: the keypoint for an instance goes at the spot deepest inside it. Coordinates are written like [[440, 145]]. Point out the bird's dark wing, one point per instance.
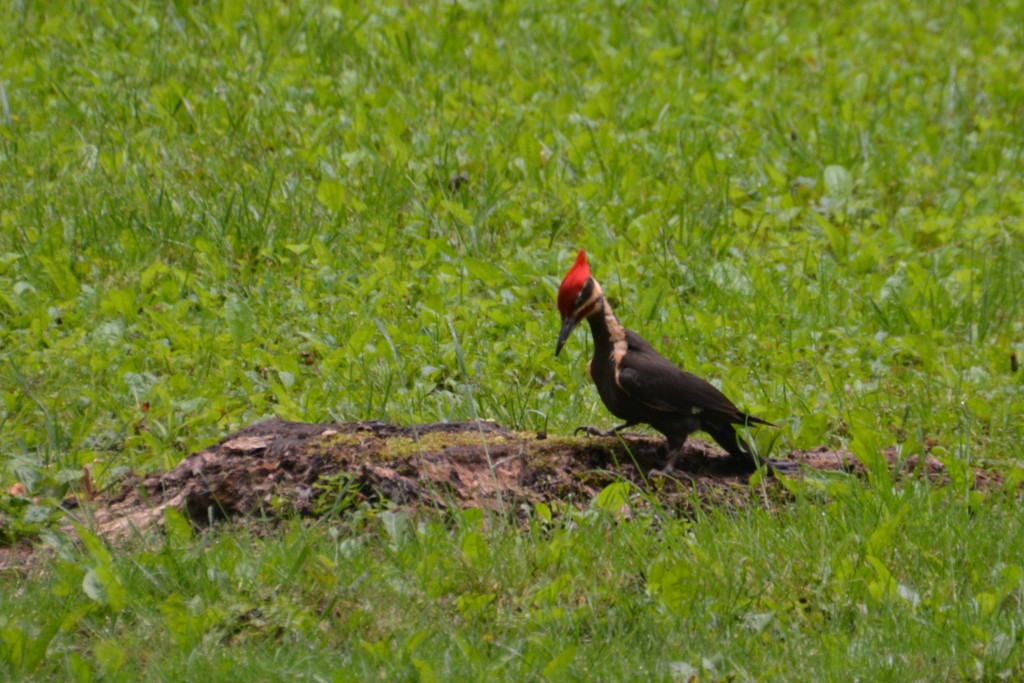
[[652, 379]]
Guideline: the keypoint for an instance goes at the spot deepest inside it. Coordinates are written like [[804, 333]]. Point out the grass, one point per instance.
[[887, 588], [213, 213]]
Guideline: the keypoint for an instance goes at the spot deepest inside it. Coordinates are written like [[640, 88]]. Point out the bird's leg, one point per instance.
[[669, 470], [594, 431]]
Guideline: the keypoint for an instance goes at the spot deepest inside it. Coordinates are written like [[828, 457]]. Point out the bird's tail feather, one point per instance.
[[726, 436], [745, 419]]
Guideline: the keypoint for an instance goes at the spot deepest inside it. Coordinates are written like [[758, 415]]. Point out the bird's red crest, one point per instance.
[[572, 284]]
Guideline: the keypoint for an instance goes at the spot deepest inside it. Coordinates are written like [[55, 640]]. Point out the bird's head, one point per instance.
[[578, 297]]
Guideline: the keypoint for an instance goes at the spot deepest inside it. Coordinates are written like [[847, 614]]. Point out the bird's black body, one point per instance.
[[652, 390], [639, 385]]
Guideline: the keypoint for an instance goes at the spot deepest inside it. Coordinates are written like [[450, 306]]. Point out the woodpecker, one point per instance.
[[639, 385]]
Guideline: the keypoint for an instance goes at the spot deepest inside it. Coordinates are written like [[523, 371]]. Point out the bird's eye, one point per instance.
[[585, 293]]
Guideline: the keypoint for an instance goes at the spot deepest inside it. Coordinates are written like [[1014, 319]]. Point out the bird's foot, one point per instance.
[[594, 431], [771, 466], [668, 472], [782, 466]]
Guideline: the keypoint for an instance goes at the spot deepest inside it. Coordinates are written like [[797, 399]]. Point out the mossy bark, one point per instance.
[[276, 468]]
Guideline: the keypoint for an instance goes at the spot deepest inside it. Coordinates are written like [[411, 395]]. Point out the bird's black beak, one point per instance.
[[568, 325]]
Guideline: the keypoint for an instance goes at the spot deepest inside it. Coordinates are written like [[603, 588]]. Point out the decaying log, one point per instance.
[[277, 467]]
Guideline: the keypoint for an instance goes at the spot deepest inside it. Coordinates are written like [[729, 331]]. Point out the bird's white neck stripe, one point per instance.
[[616, 332], [616, 335]]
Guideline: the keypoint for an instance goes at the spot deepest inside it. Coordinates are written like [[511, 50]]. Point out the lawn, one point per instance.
[[213, 213]]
